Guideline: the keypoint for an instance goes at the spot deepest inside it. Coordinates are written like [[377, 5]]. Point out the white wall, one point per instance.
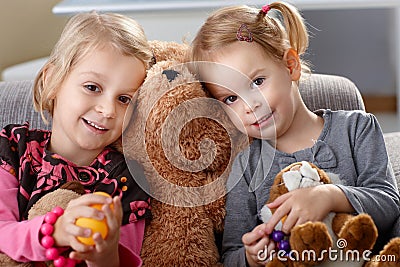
[[28, 30], [354, 43]]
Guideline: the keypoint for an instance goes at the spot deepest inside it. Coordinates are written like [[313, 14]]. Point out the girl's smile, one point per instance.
[[264, 121], [96, 128]]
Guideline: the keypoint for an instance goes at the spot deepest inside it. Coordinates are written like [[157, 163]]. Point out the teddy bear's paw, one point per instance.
[[389, 255], [311, 238], [359, 232], [276, 262]]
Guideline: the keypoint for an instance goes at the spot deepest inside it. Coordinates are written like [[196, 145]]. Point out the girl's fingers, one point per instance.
[[113, 216], [290, 221], [80, 247], [89, 199], [278, 201], [257, 233], [255, 242], [259, 247], [82, 255], [118, 208], [72, 213], [277, 216], [74, 230], [100, 242]]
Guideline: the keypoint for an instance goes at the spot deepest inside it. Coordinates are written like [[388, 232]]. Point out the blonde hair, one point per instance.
[[83, 33], [221, 27]]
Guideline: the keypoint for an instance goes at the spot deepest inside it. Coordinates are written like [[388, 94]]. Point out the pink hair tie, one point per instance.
[[266, 8]]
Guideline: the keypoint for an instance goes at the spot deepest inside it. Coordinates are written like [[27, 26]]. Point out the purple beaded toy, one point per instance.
[[282, 242]]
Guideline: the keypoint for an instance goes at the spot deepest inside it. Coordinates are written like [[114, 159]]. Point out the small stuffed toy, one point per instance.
[[339, 231], [185, 143], [60, 197]]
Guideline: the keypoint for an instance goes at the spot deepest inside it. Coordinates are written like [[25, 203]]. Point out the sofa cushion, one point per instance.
[[16, 104], [392, 141]]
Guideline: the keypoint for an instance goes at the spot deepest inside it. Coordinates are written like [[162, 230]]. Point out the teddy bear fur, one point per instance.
[[389, 256], [359, 231], [185, 143]]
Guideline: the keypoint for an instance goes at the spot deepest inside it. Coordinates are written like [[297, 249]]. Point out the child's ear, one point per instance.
[[292, 60]]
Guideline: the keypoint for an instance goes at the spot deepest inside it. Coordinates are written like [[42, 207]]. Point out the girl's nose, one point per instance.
[[251, 105], [106, 108]]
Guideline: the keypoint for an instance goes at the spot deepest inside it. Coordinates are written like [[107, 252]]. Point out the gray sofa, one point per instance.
[[318, 91]]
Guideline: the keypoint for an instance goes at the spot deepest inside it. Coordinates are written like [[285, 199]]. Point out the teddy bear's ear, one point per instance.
[[324, 177], [74, 186], [168, 51]]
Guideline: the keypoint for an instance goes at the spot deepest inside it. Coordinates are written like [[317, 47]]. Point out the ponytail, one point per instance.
[[243, 23], [294, 26]]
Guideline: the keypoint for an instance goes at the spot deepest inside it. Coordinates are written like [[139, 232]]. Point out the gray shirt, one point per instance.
[[351, 145]]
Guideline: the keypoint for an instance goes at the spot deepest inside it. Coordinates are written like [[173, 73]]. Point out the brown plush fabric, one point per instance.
[[186, 143]]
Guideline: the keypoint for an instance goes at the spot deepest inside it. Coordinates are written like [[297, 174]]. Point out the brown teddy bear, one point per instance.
[[339, 232], [186, 143]]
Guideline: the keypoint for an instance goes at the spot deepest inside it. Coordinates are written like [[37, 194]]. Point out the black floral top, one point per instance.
[[23, 153]]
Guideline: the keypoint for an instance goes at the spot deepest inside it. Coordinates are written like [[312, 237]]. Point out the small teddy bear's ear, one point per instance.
[[292, 179], [171, 74], [308, 171]]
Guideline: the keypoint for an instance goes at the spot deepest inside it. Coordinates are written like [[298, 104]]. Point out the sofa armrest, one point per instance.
[[392, 141], [321, 91]]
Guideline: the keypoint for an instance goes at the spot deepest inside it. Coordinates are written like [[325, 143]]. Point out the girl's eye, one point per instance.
[[257, 82], [125, 99], [230, 99], [92, 87]]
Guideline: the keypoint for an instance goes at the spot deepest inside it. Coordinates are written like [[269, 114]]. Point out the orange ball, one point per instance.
[[96, 226]]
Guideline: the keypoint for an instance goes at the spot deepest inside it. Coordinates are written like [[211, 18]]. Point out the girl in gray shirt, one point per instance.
[[251, 62], [350, 144]]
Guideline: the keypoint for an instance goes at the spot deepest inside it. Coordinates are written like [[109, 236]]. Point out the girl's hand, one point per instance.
[[302, 205], [65, 230], [258, 246], [105, 251]]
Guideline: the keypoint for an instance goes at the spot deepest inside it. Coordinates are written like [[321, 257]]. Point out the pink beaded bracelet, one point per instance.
[[47, 240]]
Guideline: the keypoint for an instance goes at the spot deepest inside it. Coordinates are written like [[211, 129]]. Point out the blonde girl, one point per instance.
[[85, 88], [250, 60]]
